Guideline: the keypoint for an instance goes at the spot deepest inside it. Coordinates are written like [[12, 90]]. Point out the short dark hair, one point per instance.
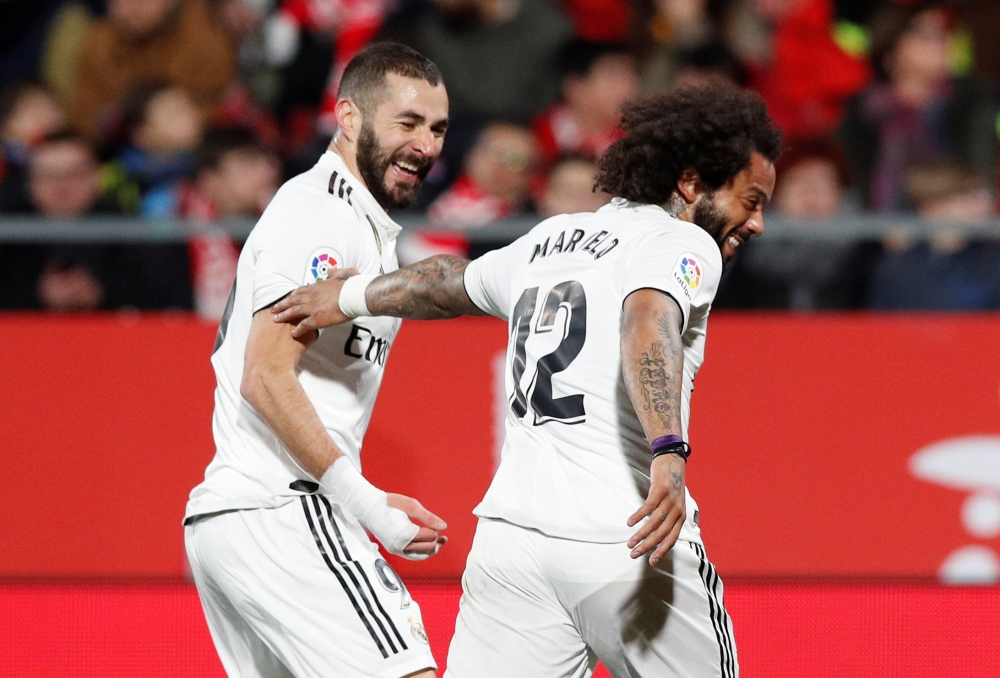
[[364, 78], [220, 141], [577, 57], [713, 129]]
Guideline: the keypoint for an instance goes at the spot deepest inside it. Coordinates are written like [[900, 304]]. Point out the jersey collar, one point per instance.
[[362, 197]]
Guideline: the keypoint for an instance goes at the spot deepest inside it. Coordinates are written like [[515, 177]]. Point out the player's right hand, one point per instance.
[[428, 540], [664, 507], [314, 307]]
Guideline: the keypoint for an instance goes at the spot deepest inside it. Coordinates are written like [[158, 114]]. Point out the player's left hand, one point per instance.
[[429, 539], [664, 507], [314, 307]]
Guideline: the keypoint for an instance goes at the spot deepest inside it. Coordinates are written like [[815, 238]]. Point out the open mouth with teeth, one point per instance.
[[407, 170], [732, 243]]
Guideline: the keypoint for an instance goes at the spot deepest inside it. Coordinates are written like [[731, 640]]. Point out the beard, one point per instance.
[[712, 220], [373, 162]]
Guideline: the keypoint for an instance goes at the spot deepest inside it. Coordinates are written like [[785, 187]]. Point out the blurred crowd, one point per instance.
[[199, 109]]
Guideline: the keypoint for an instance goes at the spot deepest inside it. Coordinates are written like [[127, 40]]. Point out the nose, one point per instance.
[[424, 142], [755, 224]]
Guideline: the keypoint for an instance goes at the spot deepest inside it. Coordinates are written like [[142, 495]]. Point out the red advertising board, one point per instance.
[[843, 445], [788, 630]]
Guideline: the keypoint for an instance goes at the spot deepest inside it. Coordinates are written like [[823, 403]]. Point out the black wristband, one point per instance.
[[682, 449]]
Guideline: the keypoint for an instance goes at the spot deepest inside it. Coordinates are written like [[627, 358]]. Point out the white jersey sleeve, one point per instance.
[[685, 265], [488, 279], [326, 238]]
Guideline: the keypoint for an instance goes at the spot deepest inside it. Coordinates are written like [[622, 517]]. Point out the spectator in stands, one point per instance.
[[597, 79], [803, 273], [28, 113], [794, 63], [500, 59], [64, 183], [164, 127], [948, 270], [570, 187], [236, 178], [667, 29], [600, 20], [915, 112], [708, 64], [174, 41], [495, 183]]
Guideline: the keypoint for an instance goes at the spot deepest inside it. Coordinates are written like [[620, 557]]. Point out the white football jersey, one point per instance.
[[575, 461], [320, 220]]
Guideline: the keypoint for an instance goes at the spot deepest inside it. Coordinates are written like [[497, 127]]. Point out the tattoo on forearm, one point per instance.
[[430, 289], [660, 370]]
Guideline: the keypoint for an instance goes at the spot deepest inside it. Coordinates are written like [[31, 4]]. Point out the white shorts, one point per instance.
[[539, 607], [300, 590]]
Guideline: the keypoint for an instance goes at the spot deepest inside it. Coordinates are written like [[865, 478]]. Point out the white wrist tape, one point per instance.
[[352, 296], [369, 505]]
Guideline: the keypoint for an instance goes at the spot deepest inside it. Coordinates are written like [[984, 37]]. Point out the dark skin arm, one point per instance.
[[427, 290], [653, 368]]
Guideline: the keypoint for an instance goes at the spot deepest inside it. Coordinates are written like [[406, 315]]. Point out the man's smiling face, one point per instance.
[[400, 141], [734, 213]]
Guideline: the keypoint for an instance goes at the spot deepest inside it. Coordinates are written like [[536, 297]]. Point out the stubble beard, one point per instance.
[[373, 162]]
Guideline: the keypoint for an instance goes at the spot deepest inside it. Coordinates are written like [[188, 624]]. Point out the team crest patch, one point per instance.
[[687, 272], [321, 265], [417, 629]]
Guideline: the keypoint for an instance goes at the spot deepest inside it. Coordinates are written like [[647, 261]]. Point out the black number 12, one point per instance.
[[567, 409]]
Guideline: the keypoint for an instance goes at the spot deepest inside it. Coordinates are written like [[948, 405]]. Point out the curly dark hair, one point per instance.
[[712, 129]]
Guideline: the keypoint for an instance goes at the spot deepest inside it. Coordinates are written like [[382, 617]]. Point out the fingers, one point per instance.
[[667, 543], [426, 548], [288, 301], [425, 517], [304, 327], [659, 532], [656, 496], [416, 511]]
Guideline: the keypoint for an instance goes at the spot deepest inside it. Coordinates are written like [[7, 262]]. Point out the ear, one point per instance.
[[689, 185], [348, 119]]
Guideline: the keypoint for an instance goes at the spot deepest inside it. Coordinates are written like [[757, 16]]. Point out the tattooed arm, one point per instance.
[[427, 290], [653, 368]]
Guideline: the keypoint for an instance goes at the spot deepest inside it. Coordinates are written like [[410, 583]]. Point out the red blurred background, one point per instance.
[[803, 429]]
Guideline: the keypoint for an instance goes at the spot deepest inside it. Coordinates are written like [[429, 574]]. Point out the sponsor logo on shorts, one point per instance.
[[417, 629], [687, 272]]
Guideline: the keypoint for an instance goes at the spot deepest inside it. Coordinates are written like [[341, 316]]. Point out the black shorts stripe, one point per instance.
[[350, 573], [717, 612], [724, 621], [363, 574], [340, 577]]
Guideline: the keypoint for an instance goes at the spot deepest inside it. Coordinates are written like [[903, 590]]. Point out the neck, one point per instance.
[[346, 151], [679, 208]]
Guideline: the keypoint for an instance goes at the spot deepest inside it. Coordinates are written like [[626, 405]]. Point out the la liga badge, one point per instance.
[[321, 265], [688, 273]]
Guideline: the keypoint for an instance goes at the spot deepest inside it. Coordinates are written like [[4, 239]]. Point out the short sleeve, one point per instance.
[[685, 265], [301, 242], [488, 280]]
